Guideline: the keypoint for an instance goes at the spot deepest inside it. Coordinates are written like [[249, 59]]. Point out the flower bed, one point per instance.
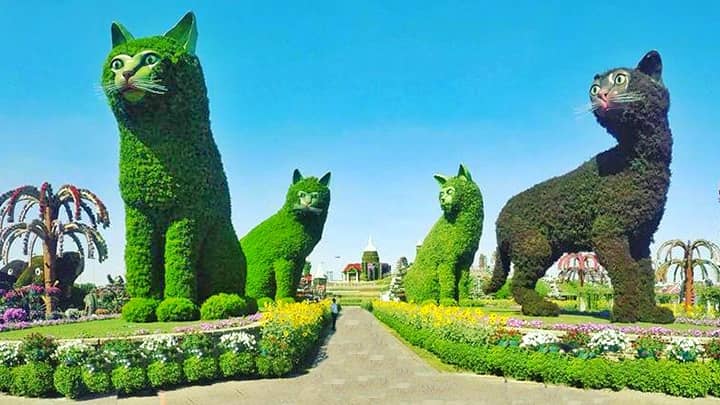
[[41, 366], [604, 358]]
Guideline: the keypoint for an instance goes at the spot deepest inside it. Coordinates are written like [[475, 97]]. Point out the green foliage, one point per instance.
[[234, 365], [34, 379], [6, 376], [542, 288], [648, 347], [441, 268], [140, 310], [37, 348], [165, 374], [448, 302], [263, 302], [222, 306], [176, 309], [275, 366], [68, 381], [276, 249], [286, 300], [128, 380], [367, 305], [611, 205], [180, 241], [97, 382], [200, 369], [504, 292]]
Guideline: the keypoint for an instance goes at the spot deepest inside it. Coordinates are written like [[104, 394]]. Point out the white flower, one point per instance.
[[238, 341], [9, 353], [537, 338], [684, 349], [609, 340], [160, 347]]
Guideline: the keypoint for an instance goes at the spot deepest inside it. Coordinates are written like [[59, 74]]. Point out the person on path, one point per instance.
[[334, 310]]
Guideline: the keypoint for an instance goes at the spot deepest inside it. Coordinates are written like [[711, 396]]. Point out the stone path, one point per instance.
[[363, 364]]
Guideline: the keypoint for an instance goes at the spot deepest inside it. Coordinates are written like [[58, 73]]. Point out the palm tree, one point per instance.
[[685, 266], [582, 265], [51, 226]]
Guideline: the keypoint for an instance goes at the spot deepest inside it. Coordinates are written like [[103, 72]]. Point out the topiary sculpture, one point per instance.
[[441, 270], [611, 204], [276, 249], [180, 242]]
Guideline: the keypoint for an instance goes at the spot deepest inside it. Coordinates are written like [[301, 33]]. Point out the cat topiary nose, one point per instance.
[[128, 74]]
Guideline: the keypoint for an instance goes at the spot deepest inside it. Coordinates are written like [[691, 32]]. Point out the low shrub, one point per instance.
[[165, 374], [275, 366], [140, 310], [222, 306], [200, 369], [234, 365], [367, 305], [128, 380], [448, 302], [97, 382], [37, 348], [68, 381], [264, 302], [286, 300], [6, 374], [176, 309], [34, 379]]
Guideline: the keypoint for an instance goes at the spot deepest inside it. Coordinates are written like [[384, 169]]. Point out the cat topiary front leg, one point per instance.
[[181, 259], [448, 284], [532, 255], [284, 274], [143, 255]]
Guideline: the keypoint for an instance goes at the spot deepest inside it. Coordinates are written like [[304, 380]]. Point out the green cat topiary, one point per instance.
[[611, 204], [179, 238], [276, 249], [442, 267]]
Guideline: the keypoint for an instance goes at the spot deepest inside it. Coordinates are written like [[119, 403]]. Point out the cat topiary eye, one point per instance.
[[151, 59], [594, 90], [116, 64], [620, 78]]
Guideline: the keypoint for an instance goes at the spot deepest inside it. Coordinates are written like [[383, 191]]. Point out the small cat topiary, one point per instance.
[[179, 238], [442, 267], [611, 204], [277, 248]]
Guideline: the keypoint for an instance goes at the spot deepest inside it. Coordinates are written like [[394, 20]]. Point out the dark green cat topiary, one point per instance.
[[442, 267], [612, 204], [276, 249], [179, 238]]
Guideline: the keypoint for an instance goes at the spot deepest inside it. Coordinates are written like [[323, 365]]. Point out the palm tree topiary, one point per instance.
[[685, 266], [581, 265], [60, 216]]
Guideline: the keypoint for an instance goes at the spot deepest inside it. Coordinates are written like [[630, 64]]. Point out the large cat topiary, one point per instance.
[[180, 242], [611, 204], [276, 249], [442, 267]]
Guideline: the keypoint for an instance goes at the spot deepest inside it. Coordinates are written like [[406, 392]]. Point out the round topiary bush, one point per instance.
[[263, 302], [68, 381], [165, 375], [200, 369], [128, 380], [448, 302], [5, 378], [140, 310], [286, 300], [97, 382], [274, 366], [34, 379], [233, 365], [222, 306], [176, 309]]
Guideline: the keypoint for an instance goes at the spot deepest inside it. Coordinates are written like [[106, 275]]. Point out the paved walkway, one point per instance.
[[363, 364]]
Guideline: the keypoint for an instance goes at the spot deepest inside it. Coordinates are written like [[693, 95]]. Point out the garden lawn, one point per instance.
[[97, 329]]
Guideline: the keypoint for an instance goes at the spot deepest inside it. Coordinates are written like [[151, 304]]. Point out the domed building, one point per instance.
[[370, 268]]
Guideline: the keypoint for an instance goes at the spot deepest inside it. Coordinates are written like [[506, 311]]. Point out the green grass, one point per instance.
[[96, 329]]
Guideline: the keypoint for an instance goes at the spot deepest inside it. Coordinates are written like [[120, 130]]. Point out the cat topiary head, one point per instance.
[[153, 73], [457, 192], [624, 97], [308, 196]]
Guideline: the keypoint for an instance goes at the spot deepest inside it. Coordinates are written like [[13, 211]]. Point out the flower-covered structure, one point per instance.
[[60, 217], [180, 242], [581, 265], [441, 271], [277, 248], [611, 205]]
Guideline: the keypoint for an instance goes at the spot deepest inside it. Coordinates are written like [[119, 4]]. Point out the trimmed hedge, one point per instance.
[[165, 374], [277, 248], [670, 377], [177, 309], [68, 381], [441, 271], [34, 379], [180, 241], [611, 205]]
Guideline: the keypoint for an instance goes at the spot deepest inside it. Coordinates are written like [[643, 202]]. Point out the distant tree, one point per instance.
[[307, 268], [685, 265], [52, 227]]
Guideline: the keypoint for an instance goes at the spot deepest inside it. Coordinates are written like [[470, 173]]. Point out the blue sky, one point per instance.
[[381, 93]]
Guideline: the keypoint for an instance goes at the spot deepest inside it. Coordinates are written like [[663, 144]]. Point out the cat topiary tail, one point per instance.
[[500, 271]]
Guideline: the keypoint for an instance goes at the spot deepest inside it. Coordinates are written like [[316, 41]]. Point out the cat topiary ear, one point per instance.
[[119, 34], [651, 65], [297, 176], [464, 172], [185, 32], [325, 180], [440, 179]]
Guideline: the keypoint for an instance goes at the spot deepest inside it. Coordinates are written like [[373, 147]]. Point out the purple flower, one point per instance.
[[14, 315]]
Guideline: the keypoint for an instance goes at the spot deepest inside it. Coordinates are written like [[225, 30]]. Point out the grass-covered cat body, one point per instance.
[[442, 265], [611, 204], [277, 248], [179, 238]]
